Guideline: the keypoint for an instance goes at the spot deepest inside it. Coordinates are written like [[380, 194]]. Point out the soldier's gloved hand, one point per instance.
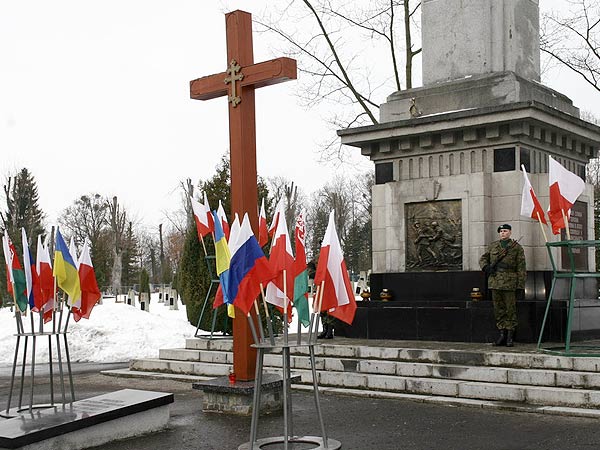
[[520, 294]]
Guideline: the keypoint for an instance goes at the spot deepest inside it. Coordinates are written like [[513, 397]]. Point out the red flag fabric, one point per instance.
[[530, 205], [224, 222], [263, 232], [281, 259], [90, 294], [43, 268], [338, 298], [203, 217], [565, 188], [275, 220]]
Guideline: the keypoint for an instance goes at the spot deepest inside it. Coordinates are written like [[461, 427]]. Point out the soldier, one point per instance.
[[504, 263]]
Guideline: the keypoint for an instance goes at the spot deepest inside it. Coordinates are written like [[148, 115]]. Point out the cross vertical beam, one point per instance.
[[242, 142]]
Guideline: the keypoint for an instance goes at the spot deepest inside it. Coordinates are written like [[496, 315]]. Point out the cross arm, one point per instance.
[[209, 87], [257, 75], [269, 72]]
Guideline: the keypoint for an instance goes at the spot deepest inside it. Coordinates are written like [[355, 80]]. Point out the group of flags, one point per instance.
[[245, 273], [565, 188], [34, 284]]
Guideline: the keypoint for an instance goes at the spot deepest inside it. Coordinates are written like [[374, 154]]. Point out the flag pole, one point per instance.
[[566, 221], [542, 227], [269, 323], [285, 305], [253, 329], [319, 305], [313, 314], [260, 327], [203, 246]]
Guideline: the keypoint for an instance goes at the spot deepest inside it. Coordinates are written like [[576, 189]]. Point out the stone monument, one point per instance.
[[447, 172]]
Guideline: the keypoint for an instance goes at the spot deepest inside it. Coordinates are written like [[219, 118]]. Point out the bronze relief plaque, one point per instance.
[[433, 235]]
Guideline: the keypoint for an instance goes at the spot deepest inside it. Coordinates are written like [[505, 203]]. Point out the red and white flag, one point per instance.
[[565, 188], [263, 232], [203, 217], [224, 222], [43, 266], [338, 297], [90, 294], [530, 205], [279, 209], [281, 259], [8, 261]]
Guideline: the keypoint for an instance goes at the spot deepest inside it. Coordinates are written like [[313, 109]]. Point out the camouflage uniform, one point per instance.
[[509, 276]]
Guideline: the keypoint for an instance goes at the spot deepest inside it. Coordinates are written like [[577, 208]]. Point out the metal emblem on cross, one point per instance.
[[234, 75]]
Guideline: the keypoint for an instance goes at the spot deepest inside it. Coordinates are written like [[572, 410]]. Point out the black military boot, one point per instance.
[[501, 339], [509, 338], [323, 334], [329, 334]]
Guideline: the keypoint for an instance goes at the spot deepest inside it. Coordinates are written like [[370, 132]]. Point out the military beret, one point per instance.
[[504, 226]]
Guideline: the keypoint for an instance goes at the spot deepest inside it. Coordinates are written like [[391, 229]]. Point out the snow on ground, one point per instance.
[[115, 332]]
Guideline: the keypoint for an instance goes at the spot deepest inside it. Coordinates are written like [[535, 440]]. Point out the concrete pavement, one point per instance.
[[359, 423]]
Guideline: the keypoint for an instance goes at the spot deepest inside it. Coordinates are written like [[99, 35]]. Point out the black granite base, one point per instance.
[[437, 306], [57, 421]]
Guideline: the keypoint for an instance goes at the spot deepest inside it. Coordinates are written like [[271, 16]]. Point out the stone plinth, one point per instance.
[[88, 423], [472, 37], [223, 397]]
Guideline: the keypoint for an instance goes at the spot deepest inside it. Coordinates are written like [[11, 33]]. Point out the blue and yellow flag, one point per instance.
[[223, 260], [65, 270]]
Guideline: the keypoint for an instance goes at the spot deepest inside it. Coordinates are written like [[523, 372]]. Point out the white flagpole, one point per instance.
[[566, 224], [542, 227]]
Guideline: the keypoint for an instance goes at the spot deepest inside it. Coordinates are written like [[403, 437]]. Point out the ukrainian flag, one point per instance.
[[65, 270], [223, 260]]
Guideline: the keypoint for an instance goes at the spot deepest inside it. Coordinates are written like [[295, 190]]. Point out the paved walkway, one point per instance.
[[359, 423]]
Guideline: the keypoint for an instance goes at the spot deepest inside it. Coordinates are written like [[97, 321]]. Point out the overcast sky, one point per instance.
[[94, 97]]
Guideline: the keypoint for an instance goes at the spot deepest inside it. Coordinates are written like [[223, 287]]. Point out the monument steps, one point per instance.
[[502, 378]]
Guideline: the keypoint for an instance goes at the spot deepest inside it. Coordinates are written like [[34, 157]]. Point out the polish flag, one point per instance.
[[203, 217], [278, 209], [8, 262], [530, 205], [263, 232], [90, 294], [224, 222], [338, 298], [281, 259], [565, 188], [43, 266]]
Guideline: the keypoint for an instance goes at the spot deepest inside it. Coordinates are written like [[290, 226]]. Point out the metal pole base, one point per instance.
[[332, 444], [16, 411]]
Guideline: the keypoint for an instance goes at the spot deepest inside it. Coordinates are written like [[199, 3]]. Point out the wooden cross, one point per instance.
[[238, 82]]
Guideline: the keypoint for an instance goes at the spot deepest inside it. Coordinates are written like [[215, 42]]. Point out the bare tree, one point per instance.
[[573, 39], [118, 224], [336, 44]]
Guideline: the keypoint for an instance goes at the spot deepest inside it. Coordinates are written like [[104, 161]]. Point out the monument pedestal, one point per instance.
[[436, 306], [223, 397]]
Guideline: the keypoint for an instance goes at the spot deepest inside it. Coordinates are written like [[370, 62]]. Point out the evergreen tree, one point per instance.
[[22, 211], [193, 275], [145, 282]]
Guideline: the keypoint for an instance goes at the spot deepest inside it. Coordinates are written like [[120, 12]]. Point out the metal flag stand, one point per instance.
[[267, 346], [212, 288], [572, 274], [58, 330]]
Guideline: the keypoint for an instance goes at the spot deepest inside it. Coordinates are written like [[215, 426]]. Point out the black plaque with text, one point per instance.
[[578, 229]]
